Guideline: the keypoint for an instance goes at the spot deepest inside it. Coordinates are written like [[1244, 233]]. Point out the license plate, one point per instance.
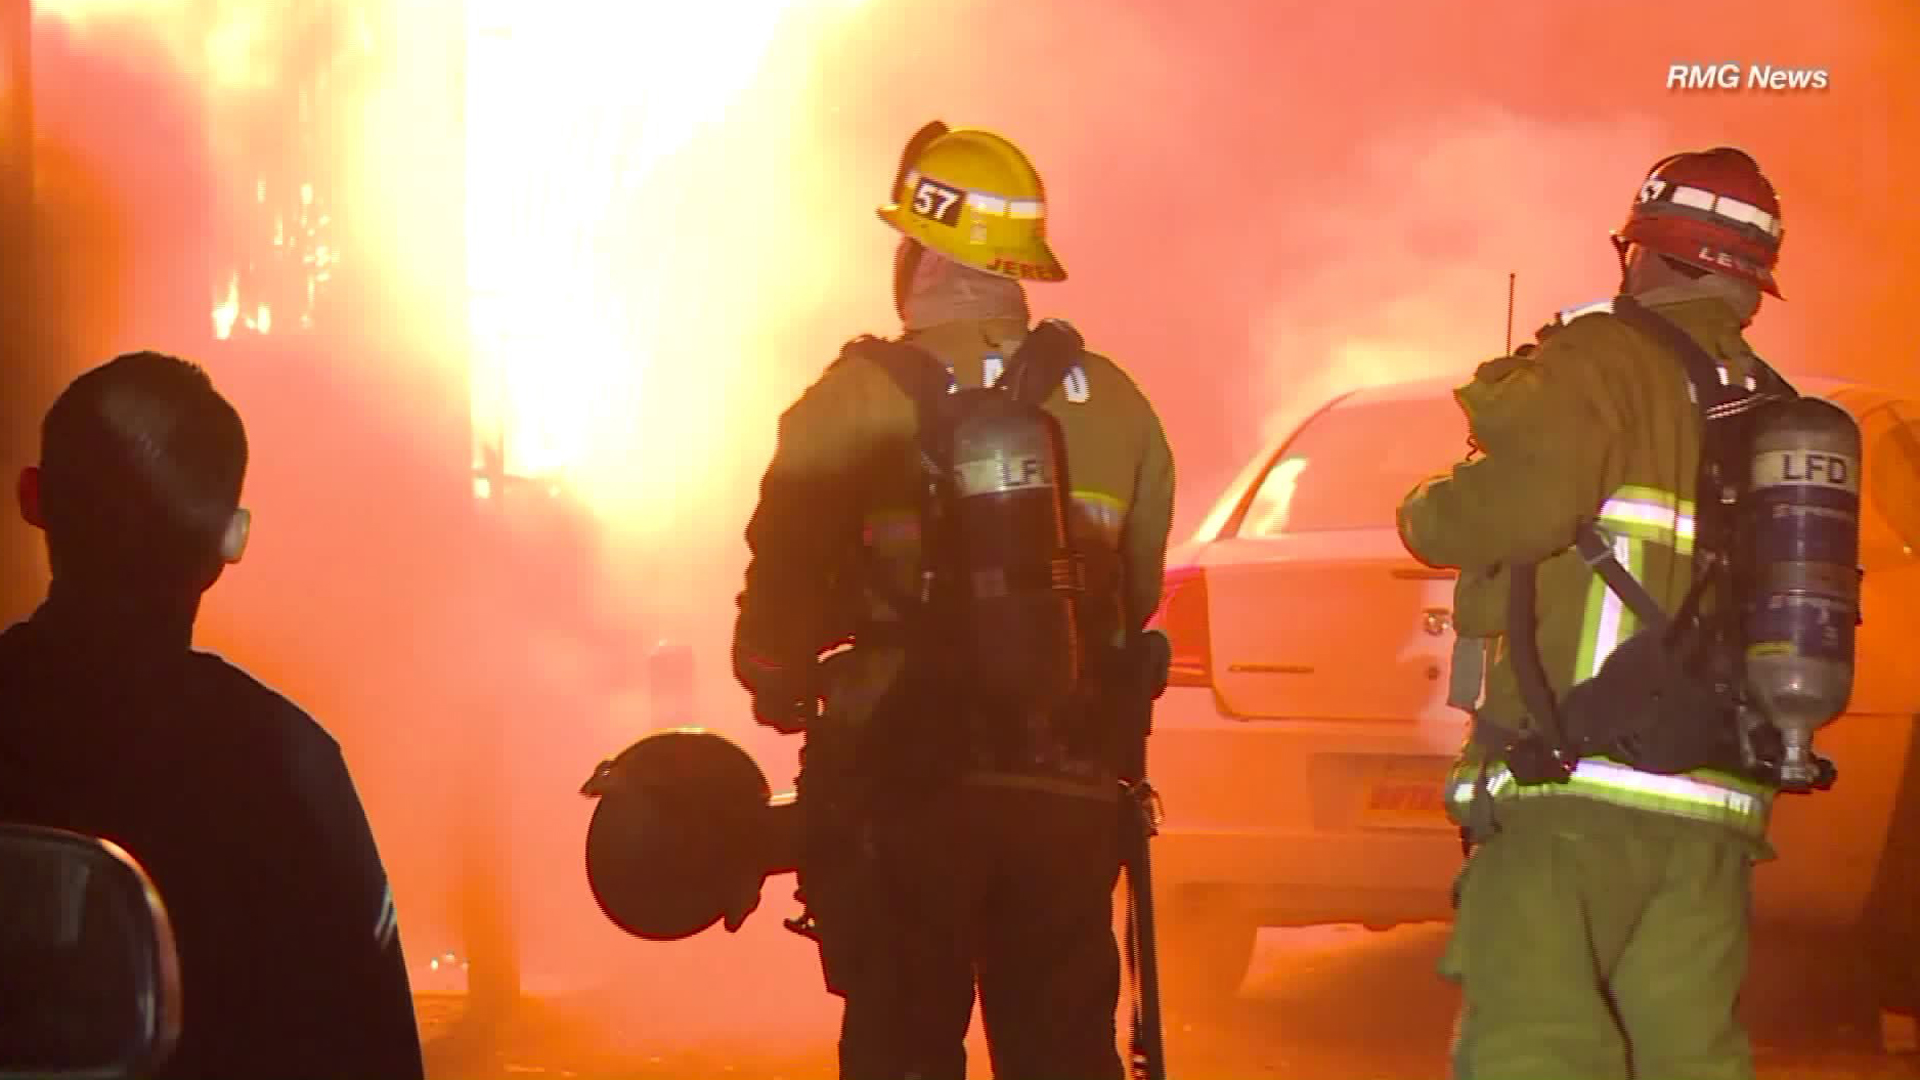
[[1406, 798], [1400, 803]]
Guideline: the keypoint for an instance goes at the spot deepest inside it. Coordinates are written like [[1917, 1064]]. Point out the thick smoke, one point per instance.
[[1260, 204], [1248, 192]]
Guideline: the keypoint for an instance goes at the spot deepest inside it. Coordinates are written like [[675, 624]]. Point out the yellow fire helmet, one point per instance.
[[974, 197]]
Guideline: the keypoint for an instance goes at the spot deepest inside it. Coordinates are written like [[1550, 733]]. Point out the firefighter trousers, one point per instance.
[[1595, 942], [1007, 888]]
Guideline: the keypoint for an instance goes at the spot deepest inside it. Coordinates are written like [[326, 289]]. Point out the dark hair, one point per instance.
[[141, 461]]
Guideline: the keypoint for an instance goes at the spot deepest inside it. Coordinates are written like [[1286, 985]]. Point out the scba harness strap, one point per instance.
[[1653, 705], [1042, 362]]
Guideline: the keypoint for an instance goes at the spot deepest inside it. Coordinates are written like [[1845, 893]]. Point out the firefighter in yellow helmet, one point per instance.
[[1603, 910], [949, 835]]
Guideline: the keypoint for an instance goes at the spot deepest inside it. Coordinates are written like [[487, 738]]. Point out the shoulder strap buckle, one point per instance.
[[1596, 547], [1595, 544]]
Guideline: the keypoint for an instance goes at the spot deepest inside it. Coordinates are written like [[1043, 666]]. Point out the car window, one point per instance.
[[1352, 464], [1350, 467], [1890, 504]]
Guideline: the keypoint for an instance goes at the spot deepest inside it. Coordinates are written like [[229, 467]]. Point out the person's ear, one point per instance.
[[28, 490], [234, 543]]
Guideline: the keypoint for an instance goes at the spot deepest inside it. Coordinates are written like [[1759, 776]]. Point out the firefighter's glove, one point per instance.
[[786, 696]]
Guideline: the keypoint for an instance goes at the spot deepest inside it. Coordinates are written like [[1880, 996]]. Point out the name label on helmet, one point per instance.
[[936, 201], [1023, 269], [1728, 259]]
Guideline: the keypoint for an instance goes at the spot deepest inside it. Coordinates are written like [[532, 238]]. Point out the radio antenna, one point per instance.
[[1510, 277]]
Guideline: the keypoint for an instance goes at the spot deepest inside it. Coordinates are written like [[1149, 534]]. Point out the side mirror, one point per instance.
[[89, 980]]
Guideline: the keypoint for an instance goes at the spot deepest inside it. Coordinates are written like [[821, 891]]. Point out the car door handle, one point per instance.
[[1271, 669], [1437, 620]]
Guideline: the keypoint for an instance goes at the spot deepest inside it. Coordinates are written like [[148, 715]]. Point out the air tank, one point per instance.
[[1017, 574], [1803, 518]]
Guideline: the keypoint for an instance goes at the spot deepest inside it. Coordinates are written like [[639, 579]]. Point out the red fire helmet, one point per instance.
[[1712, 209]]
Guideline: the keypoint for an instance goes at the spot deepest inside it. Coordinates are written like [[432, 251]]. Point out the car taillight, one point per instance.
[[1183, 615]]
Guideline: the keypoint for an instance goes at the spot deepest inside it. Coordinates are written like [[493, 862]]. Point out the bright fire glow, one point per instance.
[[245, 56], [230, 44], [571, 106], [575, 184]]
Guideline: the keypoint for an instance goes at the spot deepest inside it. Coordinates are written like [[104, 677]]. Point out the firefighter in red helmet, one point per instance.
[[1711, 210], [1603, 909]]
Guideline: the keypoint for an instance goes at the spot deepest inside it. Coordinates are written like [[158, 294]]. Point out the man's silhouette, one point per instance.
[[238, 804]]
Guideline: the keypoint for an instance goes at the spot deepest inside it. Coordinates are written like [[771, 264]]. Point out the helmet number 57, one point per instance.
[[937, 201]]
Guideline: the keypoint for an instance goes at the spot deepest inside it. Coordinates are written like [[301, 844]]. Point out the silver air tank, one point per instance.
[[1016, 569], [1804, 598]]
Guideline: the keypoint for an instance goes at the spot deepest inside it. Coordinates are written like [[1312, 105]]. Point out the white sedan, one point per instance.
[[1303, 743]]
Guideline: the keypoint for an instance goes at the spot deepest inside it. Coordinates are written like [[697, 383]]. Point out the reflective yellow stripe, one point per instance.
[[1713, 798], [1608, 620], [1586, 659], [1105, 514], [1100, 498], [1613, 622], [1634, 516]]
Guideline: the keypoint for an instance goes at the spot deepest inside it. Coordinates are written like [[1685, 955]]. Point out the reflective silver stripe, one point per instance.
[[1609, 632], [387, 926], [1660, 515], [987, 202], [1654, 515], [1609, 781], [1677, 788], [1002, 206], [1726, 206], [1597, 307], [1635, 515]]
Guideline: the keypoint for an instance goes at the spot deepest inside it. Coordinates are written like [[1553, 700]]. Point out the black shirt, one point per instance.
[[241, 809]]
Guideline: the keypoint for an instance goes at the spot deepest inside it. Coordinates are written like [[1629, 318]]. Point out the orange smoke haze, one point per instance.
[[1260, 203]]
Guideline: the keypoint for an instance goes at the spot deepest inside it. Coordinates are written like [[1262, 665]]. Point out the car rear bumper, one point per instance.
[[1299, 879], [1269, 813], [1304, 821]]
